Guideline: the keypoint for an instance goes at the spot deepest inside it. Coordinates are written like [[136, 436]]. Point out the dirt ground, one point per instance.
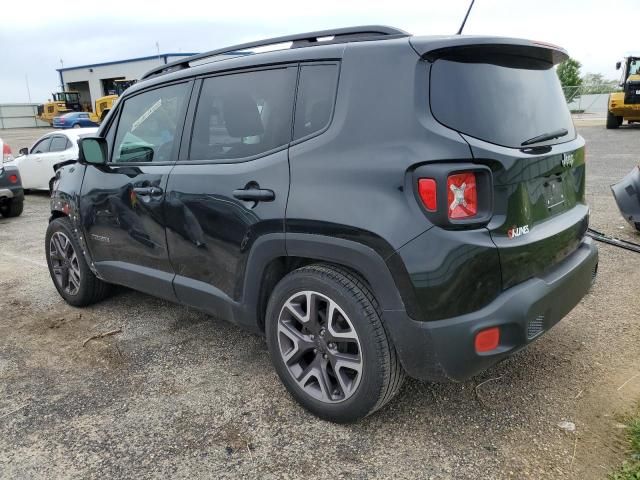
[[179, 394]]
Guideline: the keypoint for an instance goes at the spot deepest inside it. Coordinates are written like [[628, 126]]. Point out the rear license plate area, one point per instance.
[[554, 193]]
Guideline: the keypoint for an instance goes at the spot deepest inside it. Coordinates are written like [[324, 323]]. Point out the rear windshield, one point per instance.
[[503, 99]]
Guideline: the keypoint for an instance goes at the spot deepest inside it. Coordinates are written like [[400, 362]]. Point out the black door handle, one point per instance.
[[148, 191], [254, 194]]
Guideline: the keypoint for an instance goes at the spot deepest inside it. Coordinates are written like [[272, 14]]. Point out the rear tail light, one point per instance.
[[7, 156], [13, 178], [487, 340], [454, 195], [462, 195], [427, 192]]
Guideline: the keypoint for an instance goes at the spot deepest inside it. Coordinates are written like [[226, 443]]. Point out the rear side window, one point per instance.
[[58, 144], [243, 114], [504, 99], [148, 123], [316, 97], [42, 146]]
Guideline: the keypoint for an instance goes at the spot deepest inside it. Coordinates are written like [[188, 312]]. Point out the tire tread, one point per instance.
[[394, 374]]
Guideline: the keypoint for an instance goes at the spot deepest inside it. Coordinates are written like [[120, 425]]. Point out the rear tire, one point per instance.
[[613, 121], [76, 125], [341, 368], [12, 208], [71, 275]]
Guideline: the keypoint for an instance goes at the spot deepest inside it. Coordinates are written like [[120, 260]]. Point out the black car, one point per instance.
[[376, 204], [11, 192]]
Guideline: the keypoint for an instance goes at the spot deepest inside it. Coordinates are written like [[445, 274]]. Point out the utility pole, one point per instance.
[[26, 80], [158, 49]]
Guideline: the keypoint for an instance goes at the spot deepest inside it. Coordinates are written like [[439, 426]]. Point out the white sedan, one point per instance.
[[36, 163]]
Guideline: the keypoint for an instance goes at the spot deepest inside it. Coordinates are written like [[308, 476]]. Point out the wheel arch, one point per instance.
[[269, 262]]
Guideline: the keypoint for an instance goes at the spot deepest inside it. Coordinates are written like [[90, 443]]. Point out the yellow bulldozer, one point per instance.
[[65, 102], [625, 105], [106, 103], [59, 104]]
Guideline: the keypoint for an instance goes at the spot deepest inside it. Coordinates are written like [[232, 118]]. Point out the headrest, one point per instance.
[[241, 116]]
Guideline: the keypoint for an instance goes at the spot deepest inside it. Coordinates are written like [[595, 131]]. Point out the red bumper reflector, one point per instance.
[[13, 178], [427, 191], [487, 340]]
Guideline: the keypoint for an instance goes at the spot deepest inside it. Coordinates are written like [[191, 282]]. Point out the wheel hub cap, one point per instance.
[[320, 347], [64, 263]]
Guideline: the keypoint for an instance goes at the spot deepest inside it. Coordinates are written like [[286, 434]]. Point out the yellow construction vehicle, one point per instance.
[[63, 102], [625, 105], [106, 103], [102, 107]]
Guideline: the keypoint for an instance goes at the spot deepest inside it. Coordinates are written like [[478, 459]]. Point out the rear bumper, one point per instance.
[[444, 349]]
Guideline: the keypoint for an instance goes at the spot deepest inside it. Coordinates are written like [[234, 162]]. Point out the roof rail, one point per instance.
[[340, 35]]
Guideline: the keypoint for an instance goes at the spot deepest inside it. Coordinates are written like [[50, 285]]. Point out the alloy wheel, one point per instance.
[[64, 263], [320, 346]]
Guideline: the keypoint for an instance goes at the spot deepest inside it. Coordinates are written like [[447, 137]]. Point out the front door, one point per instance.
[[122, 202], [231, 184]]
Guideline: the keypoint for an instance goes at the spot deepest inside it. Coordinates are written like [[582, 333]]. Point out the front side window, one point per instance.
[[148, 124], [316, 96], [243, 114], [58, 144], [42, 146]]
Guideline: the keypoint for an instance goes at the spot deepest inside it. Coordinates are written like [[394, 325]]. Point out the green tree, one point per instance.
[[569, 75]]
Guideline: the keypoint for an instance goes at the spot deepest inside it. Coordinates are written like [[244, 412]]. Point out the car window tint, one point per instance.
[[42, 146], [58, 144], [148, 125], [243, 114], [316, 96], [68, 144]]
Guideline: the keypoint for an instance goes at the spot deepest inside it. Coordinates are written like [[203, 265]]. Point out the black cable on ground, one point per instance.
[[617, 242]]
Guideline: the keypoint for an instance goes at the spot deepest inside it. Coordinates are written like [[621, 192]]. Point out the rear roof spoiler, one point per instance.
[[431, 48]]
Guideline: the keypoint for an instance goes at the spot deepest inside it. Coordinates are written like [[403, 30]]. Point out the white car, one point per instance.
[[36, 163]]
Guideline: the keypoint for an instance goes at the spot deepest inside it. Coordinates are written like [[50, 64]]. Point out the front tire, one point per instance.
[[71, 275], [12, 208], [613, 121], [328, 344], [76, 125]]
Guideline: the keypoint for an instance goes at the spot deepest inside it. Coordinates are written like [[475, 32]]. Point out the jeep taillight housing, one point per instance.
[[455, 195], [462, 195]]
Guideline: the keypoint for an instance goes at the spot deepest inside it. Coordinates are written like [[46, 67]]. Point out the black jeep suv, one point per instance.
[[376, 204]]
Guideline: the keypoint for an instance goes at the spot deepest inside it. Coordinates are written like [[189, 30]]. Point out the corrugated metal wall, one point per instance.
[[20, 115]]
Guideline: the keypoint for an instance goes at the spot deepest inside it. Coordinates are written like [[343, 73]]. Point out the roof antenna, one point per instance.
[[465, 18]]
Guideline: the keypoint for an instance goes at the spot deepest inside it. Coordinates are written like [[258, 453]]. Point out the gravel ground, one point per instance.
[[183, 395]]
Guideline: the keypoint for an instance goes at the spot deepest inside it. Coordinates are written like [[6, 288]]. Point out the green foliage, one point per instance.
[[569, 73], [630, 470], [596, 83]]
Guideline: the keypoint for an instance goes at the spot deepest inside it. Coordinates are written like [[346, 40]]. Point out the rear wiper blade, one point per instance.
[[546, 136]]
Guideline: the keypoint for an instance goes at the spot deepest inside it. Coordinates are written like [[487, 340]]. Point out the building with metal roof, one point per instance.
[[98, 79]]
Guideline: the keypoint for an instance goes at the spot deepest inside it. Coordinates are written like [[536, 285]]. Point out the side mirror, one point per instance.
[[93, 150], [23, 151], [618, 65]]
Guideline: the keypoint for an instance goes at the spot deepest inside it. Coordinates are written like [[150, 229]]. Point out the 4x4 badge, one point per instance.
[[567, 160]]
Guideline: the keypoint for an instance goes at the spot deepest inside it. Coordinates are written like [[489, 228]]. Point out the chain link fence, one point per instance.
[[589, 99]]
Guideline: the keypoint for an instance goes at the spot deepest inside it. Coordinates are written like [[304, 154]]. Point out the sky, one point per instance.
[[36, 35]]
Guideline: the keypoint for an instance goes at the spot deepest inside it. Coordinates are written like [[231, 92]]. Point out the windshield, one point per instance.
[[502, 99]]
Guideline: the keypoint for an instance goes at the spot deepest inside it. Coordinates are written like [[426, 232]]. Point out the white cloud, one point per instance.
[[35, 35]]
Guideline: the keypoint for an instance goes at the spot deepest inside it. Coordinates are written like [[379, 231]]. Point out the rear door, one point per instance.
[[30, 165], [122, 202], [231, 184], [508, 104]]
